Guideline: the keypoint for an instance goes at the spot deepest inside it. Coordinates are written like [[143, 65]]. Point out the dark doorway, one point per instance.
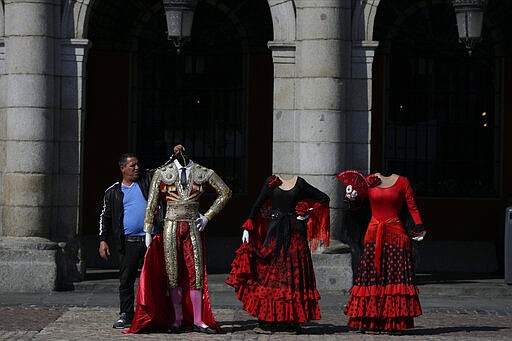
[[438, 116], [215, 98]]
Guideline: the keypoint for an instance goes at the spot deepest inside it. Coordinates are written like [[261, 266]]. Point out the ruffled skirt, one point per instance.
[[387, 301], [281, 289]]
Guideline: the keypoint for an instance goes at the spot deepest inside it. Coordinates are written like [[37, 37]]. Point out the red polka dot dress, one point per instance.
[[385, 296], [273, 274]]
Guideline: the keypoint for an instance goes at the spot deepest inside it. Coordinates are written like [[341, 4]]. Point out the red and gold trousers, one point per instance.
[[183, 247]]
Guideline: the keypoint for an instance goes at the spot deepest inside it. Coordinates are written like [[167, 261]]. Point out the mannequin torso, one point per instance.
[[387, 181]]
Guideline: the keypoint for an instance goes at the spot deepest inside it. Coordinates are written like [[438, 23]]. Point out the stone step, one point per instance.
[[429, 285]]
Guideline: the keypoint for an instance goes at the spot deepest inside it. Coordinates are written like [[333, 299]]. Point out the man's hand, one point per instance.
[[149, 238], [178, 148], [245, 236], [201, 222], [104, 250]]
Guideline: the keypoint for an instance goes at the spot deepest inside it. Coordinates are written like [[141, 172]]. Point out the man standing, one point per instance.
[[122, 216]]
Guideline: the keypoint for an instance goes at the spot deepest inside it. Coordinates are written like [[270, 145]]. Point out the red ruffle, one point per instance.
[[241, 267], [277, 310], [387, 324], [379, 290], [385, 308], [269, 303]]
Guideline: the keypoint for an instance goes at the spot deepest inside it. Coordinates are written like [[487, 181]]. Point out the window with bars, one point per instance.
[[196, 98], [442, 123]]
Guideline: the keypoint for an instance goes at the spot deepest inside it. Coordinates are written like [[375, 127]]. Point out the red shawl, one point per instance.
[[319, 226]]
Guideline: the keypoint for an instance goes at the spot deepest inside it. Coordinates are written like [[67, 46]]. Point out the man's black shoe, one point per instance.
[[206, 330], [122, 322]]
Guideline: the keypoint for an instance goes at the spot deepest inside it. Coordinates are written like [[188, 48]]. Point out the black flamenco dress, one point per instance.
[[273, 274], [385, 296]]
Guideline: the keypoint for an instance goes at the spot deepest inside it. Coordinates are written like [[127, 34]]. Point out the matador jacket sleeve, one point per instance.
[[223, 195], [153, 196]]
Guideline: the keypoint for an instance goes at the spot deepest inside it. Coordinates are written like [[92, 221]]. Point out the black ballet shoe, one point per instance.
[[206, 330], [175, 330]]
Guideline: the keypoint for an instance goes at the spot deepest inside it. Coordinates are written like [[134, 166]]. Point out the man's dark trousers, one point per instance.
[[130, 259]]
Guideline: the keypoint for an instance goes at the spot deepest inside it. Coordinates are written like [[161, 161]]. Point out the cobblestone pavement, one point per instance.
[[94, 323], [473, 310]]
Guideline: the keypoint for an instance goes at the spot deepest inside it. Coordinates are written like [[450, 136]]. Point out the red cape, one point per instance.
[[154, 311]]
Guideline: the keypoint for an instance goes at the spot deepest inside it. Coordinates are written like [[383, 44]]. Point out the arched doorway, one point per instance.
[[439, 117], [215, 97]]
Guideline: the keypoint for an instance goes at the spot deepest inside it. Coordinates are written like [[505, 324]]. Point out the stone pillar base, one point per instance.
[[333, 272], [27, 264]]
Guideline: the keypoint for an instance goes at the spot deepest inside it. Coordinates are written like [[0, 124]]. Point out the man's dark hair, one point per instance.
[[123, 159]]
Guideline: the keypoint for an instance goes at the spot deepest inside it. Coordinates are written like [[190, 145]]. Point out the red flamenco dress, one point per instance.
[[154, 311], [385, 296], [273, 274]]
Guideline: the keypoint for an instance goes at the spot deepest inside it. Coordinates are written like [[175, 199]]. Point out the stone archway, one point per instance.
[[75, 45], [80, 15]]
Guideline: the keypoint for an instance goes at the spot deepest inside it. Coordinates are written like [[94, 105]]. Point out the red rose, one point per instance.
[[302, 208], [373, 180], [274, 181]]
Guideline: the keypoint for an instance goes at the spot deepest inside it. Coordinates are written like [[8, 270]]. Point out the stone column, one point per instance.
[[27, 258], [3, 124], [69, 130], [309, 123], [360, 106], [315, 148], [283, 54]]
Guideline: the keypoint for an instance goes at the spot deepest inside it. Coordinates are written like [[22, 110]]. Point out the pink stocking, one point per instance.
[[196, 296], [176, 302]]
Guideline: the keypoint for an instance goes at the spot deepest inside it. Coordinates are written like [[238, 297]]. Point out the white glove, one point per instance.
[[420, 237], [149, 238], [245, 236], [201, 222]]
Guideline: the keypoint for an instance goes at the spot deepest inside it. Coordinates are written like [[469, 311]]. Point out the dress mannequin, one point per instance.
[[384, 296], [288, 214]]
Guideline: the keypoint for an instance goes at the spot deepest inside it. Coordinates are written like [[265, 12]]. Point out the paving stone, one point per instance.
[[88, 314]]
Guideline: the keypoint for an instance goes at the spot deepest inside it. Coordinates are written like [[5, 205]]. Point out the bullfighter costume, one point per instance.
[[173, 288]]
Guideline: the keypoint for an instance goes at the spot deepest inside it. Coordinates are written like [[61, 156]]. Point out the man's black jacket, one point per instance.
[[112, 212]]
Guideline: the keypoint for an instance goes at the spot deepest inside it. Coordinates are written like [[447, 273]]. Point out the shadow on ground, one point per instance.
[[448, 330]]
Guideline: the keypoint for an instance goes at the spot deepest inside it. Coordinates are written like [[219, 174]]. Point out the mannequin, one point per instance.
[[182, 182], [384, 297], [275, 247]]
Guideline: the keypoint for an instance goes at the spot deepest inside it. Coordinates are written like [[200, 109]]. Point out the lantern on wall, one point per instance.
[[469, 15], [179, 15]]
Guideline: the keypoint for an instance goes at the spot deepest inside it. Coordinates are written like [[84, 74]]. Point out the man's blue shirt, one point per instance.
[[134, 209]]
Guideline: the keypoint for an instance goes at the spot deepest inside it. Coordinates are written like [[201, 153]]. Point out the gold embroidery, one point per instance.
[[170, 252], [223, 195], [182, 211], [153, 194], [182, 205], [197, 247]]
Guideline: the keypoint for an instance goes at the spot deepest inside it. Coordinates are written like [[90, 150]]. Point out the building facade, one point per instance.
[[296, 87]]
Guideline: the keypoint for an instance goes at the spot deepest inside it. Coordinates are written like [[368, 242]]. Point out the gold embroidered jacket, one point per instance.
[[182, 206]]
